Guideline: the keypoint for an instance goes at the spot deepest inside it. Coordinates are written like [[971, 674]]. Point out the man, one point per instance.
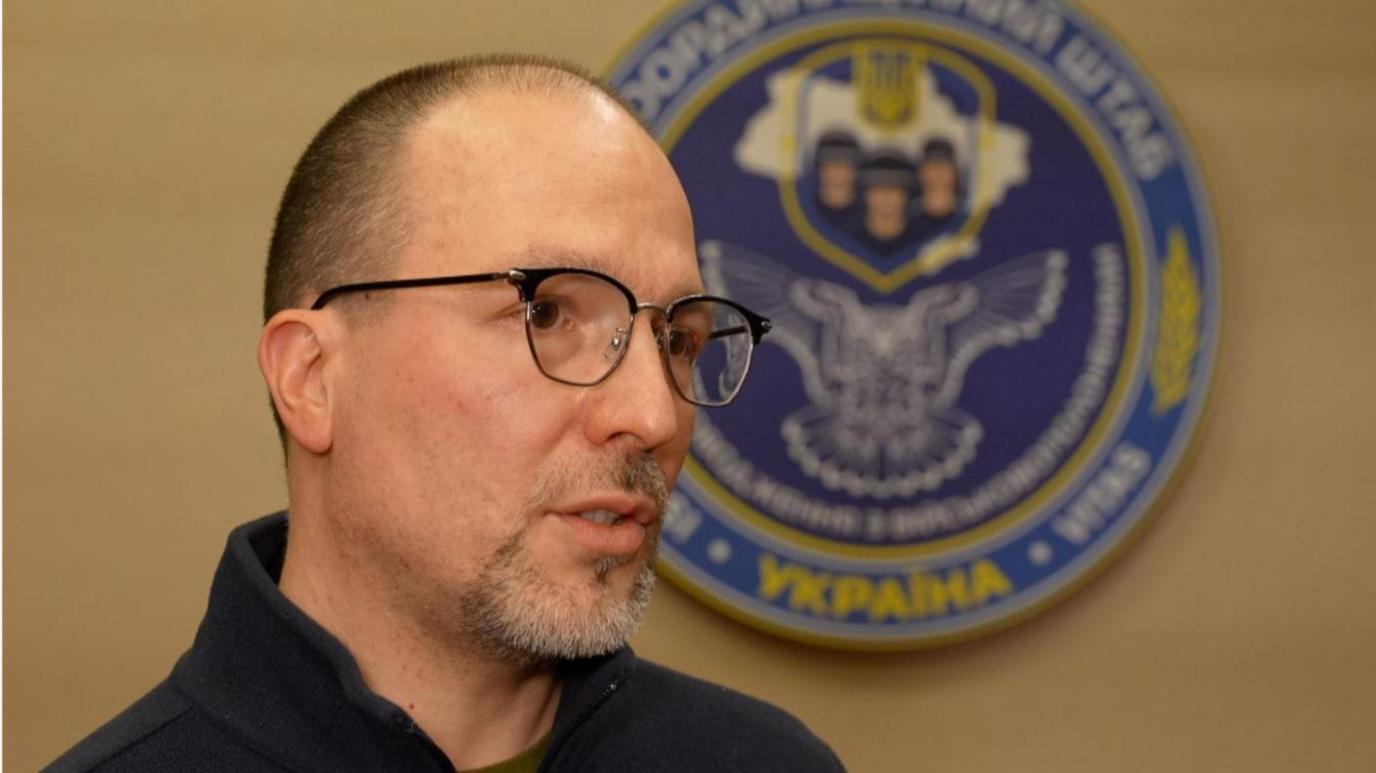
[[834, 164], [887, 179], [939, 188], [479, 445]]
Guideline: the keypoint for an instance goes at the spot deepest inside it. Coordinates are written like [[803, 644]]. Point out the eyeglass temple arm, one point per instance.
[[395, 284], [763, 326]]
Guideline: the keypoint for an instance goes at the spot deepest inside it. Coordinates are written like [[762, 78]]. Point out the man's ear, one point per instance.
[[291, 354]]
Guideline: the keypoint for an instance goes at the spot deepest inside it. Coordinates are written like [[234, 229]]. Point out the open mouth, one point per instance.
[[603, 517], [606, 532]]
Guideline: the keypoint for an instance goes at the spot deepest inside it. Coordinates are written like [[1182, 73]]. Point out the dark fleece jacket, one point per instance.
[[264, 688]]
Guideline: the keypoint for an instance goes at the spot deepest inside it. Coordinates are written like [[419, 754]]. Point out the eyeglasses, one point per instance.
[[579, 322]]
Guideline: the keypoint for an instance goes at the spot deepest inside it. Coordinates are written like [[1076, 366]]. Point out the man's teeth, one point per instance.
[[604, 517]]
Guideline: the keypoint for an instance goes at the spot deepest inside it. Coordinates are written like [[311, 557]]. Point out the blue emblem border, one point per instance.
[[687, 562]]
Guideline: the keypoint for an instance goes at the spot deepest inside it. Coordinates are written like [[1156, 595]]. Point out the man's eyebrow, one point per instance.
[[563, 259], [683, 291]]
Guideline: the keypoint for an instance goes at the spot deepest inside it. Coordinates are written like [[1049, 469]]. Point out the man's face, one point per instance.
[[938, 175], [470, 482], [887, 201], [837, 183]]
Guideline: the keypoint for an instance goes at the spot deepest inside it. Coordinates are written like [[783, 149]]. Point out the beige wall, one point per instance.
[[146, 144]]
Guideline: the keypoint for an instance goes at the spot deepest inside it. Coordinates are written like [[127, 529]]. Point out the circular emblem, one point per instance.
[[993, 277]]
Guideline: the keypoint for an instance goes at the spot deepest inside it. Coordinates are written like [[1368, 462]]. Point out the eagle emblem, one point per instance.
[[884, 380]]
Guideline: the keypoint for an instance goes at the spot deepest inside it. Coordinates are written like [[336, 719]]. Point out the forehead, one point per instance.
[[501, 179]]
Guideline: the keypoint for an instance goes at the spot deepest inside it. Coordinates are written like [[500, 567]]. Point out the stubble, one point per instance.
[[517, 614]]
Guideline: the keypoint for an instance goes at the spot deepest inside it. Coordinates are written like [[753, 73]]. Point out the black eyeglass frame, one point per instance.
[[527, 280]]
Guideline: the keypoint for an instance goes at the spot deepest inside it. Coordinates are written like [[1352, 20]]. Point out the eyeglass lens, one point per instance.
[[579, 328]]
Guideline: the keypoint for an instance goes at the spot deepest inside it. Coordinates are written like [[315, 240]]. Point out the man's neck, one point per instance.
[[478, 709]]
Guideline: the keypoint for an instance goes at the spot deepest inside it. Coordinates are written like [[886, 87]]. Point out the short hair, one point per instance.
[[887, 166], [837, 145], [938, 149], [343, 215]]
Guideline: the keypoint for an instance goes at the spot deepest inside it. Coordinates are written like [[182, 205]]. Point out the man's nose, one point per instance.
[[637, 401]]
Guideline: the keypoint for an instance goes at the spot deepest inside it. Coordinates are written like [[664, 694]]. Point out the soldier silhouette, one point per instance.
[[834, 165], [887, 180], [939, 189]]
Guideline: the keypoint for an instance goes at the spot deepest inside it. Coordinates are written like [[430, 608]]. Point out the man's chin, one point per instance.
[[529, 621]]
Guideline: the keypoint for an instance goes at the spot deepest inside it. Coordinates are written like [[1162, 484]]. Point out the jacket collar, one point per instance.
[[282, 684]]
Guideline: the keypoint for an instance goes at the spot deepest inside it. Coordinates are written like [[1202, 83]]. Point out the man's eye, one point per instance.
[[682, 343], [544, 314]]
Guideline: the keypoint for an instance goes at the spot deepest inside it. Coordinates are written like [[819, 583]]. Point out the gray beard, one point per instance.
[[520, 617]]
